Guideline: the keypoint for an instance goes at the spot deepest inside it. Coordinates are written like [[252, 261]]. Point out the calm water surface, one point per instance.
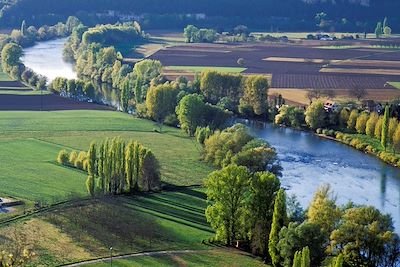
[[46, 58], [308, 161]]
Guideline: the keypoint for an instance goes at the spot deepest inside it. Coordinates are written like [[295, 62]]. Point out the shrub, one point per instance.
[[331, 133], [63, 157], [325, 131], [319, 131], [80, 161]]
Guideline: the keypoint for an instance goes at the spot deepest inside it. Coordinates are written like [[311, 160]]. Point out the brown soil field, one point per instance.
[[295, 66], [50, 103]]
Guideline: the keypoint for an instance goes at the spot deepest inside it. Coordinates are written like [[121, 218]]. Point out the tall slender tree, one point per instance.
[[385, 128], [279, 219]]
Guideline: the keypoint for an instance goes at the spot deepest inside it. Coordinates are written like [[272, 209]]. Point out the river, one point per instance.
[[308, 161], [46, 58]]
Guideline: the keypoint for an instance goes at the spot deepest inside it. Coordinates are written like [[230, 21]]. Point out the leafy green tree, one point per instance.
[[228, 189], [396, 139], [344, 117], [315, 115], [279, 220], [290, 116], [351, 123], [323, 211], [295, 237], [90, 185], [216, 85], [263, 189], [361, 123], [161, 101], [297, 259], [10, 56], [255, 94], [190, 112], [339, 261], [72, 23], [92, 160], [305, 257], [190, 32], [371, 124], [393, 123], [385, 128], [147, 69], [366, 237], [62, 157], [378, 128]]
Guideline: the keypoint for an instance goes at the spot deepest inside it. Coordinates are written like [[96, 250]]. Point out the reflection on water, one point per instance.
[[309, 162], [46, 58]]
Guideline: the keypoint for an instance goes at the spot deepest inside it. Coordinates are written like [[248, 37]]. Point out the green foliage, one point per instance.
[[393, 123], [385, 128], [215, 85], [255, 94], [323, 211], [378, 128], [290, 116], [63, 157], [352, 121], [305, 257], [192, 112], [315, 115], [361, 123], [90, 185], [365, 237], [344, 117], [339, 261], [195, 35], [161, 101], [10, 56], [279, 220], [202, 133], [111, 34], [371, 124], [295, 237], [378, 30], [227, 189], [396, 139], [263, 189]]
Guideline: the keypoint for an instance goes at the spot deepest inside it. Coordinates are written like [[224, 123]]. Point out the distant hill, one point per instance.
[[278, 14]]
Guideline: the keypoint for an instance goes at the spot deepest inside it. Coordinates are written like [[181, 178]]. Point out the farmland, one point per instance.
[[301, 66]]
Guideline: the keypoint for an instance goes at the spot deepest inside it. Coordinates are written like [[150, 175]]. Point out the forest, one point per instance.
[[287, 14]]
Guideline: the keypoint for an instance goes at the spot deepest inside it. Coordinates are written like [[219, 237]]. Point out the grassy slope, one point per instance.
[[34, 140], [395, 84], [217, 257], [164, 221]]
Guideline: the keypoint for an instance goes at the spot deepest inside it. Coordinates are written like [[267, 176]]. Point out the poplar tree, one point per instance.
[[396, 139], [385, 128], [305, 257], [393, 123], [279, 219], [297, 259]]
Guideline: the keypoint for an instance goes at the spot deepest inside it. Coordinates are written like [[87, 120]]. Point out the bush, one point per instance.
[[319, 131], [63, 157], [325, 131], [331, 133], [171, 120], [80, 161]]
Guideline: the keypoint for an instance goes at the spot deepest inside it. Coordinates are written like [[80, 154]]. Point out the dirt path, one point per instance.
[[154, 253]]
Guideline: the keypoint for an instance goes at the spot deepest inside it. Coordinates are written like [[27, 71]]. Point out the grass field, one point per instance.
[[199, 69], [30, 142], [23, 91], [216, 257]]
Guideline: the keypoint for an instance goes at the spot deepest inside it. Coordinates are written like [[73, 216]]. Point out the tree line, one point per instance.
[[116, 167]]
